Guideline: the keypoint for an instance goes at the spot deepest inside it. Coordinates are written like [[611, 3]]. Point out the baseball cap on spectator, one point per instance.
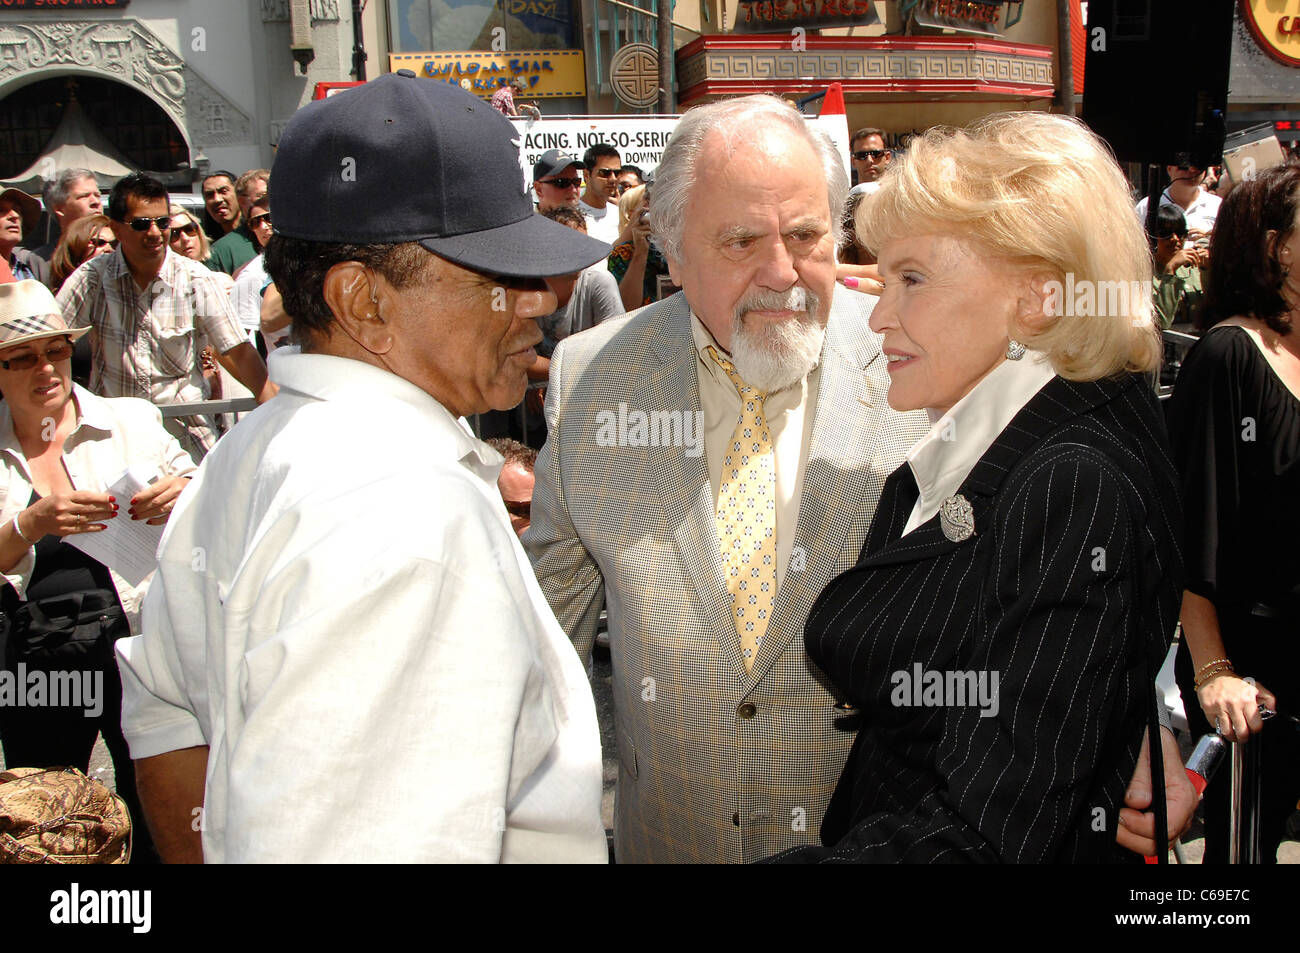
[[28, 206], [404, 159], [553, 162]]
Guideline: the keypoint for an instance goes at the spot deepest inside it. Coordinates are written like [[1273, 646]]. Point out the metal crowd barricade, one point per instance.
[[1243, 797], [1177, 344], [232, 405]]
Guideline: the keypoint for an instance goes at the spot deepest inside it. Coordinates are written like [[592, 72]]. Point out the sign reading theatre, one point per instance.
[[777, 16]]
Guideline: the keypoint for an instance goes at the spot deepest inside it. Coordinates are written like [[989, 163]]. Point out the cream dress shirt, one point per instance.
[[786, 418]]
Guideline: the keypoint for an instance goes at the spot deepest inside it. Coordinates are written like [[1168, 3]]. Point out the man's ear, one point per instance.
[[674, 270], [355, 294]]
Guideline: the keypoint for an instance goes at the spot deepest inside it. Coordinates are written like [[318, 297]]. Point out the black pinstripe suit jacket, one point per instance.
[[1068, 591]]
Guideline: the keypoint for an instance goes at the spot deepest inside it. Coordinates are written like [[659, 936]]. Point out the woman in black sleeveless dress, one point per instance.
[[1234, 421]]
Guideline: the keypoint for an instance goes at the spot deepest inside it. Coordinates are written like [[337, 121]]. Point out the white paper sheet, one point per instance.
[[128, 547]]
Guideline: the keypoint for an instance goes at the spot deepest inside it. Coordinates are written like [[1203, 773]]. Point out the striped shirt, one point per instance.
[[145, 341]]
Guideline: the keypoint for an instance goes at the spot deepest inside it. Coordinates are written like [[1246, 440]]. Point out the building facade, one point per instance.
[[179, 87], [176, 86]]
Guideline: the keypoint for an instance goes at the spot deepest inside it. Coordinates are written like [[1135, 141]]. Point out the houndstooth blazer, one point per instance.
[[715, 764]]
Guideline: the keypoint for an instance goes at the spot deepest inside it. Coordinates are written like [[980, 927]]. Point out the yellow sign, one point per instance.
[[1276, 26], [547, 74]]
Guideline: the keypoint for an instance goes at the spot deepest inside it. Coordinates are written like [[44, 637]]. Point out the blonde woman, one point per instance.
[[188, 240], [636, 263], [1002, 629]]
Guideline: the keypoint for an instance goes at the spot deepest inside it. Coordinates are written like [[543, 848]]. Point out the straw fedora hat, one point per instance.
[[28, 206], [28, 312]]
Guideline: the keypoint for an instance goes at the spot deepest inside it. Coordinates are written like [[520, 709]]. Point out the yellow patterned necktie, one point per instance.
[[746, 517]]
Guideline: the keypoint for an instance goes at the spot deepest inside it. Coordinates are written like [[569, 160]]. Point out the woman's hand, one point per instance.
[[639, 225], [155, 502], [63, 514], [1232, 704]]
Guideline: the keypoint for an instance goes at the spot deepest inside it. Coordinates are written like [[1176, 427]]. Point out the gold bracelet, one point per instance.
[[1217, 661], [1204, 680]]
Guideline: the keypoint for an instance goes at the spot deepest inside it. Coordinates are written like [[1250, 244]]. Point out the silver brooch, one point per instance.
[[956, 518]]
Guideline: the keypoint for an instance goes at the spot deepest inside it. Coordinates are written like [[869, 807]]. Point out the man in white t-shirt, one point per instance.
[[1198, 206], [599, 202]]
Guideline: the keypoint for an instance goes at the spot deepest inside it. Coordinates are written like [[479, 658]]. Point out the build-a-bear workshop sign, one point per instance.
[[547, 74]]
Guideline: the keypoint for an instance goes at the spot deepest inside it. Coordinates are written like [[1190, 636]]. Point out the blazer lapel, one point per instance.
[[685, 493]]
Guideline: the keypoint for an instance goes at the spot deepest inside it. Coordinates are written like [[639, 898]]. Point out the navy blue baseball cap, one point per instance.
[[404, 159]]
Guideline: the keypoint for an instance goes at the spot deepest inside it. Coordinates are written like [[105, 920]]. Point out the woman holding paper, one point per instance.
[[61, 447]]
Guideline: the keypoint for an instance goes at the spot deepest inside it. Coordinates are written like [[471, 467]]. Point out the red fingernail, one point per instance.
[[850, 282]]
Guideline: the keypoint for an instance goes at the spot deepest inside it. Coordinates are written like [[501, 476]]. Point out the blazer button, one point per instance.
[[747, 710]]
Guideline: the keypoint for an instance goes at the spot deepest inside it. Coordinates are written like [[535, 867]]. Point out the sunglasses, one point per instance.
[[104, 242], [870, 154], [519, 507], [57, 352], [563, 183], [163, 222], [604, 173], [189, 230], [263, 219]]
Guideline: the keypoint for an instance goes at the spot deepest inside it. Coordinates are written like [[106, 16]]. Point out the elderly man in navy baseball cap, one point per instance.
[[347, 656]]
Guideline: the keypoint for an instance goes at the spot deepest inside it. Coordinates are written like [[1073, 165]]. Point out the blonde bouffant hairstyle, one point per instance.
[[1041, 192], [627, 203]]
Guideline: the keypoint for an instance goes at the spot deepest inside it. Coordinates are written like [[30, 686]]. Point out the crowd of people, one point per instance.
[[886, 545]]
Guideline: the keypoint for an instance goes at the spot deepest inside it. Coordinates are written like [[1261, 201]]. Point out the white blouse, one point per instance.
[[112, 434], [945, 456]]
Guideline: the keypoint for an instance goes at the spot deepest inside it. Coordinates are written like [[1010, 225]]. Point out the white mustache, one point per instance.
[[796, 299]]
